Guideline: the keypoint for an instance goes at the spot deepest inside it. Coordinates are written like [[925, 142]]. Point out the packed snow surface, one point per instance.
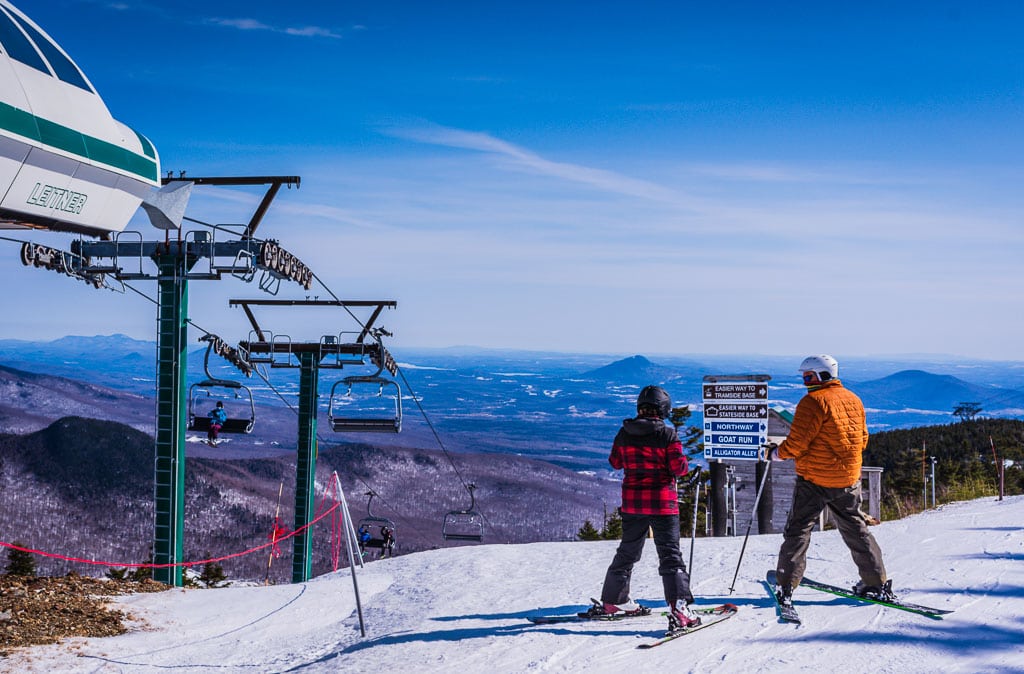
[[464, 610]]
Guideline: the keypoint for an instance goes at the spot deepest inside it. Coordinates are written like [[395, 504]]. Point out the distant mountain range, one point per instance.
[[563, 408], [636, 370], [88, 481], [923, 390]]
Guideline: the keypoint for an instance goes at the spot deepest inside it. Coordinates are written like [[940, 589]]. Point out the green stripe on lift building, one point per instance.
[[735, 416]]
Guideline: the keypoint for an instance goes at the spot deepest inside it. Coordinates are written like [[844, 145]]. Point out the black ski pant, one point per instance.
[[808, 501], [674, 578]]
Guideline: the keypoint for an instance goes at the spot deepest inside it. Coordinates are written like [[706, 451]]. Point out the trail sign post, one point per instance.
[[735, 416]]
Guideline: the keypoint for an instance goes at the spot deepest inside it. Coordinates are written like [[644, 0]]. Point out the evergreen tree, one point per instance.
[[20, 563], [969, 455], [612, 530], [588, 533], [117, 574], [690, 437], [142, 572], [213, 574], [966, 411]]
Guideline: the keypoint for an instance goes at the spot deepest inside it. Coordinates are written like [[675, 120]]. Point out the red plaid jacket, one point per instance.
[[650, 454]]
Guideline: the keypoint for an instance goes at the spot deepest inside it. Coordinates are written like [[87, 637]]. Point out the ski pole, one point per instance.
[[753, 514], [693, 535]]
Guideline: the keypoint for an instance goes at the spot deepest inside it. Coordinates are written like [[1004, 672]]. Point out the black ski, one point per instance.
[[786, 611], [584, 616], [933, 613], [711, 615]]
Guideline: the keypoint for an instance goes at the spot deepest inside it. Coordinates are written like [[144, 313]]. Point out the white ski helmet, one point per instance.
[[825, 365]]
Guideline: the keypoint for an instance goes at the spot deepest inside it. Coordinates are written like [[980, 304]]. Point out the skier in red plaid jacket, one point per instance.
[[649, 453]]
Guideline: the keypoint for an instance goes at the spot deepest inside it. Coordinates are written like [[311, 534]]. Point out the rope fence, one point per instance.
[[276, 540]]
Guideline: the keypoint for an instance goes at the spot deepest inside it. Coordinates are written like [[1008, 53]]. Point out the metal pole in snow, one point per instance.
[[693, 536], [350, 538], [764, 478], [1000, 467], [933, 482]]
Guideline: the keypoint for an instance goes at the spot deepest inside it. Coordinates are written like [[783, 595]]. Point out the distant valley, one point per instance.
[[563, 408], [530, 430]]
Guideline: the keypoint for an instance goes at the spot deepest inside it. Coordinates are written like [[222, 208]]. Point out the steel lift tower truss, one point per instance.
[[197, 256], [329, 352]]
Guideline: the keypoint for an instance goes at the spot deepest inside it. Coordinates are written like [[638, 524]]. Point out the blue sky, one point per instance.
[[652, 177]]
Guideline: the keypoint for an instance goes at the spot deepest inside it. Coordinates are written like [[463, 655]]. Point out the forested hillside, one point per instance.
[[966, 464], [84, 488]]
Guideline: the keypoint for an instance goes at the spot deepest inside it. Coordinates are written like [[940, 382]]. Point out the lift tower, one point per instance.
[[331, 351], [179, 261]]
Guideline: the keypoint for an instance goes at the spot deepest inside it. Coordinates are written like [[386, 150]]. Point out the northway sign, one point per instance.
[[735, 416]]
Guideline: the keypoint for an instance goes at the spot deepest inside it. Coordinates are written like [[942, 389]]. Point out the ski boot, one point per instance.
[[681, 617], [877, 592], [784, 595], [599, 610]]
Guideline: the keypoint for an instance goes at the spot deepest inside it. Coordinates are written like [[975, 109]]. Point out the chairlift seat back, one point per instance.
[[463, 526], [386, 421], [368, 425], [202, 425]]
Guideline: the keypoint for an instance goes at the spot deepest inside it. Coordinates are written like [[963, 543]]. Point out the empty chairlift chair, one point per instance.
[[376, 532], [350, 413], [464, 525]]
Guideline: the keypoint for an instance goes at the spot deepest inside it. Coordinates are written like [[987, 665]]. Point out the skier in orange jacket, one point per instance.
[[826, 440]]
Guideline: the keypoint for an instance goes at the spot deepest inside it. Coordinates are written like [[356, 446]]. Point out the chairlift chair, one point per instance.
[[376, 528], [464, 525], [379, 419], [198, 419], [214, 389]]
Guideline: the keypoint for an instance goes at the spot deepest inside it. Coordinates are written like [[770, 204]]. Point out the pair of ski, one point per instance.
[[710, 615], [789, 614]]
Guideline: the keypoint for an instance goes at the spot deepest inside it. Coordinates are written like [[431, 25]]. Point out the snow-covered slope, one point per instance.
[[464, 610]]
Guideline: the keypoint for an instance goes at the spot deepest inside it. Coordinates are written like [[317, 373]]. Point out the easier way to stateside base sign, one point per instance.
[[735, 416]]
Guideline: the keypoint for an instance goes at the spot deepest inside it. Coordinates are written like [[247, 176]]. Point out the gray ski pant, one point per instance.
[[808, 501], [674, 578]]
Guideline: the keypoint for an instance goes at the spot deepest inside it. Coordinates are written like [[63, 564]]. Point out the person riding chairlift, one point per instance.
[[217, 418], [388, 546], [364, 538]]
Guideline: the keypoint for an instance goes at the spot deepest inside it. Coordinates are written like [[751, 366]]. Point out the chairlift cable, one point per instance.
[[145, 296], [337, 299], [419, 406], [440, 444], [278, 393], [408, 387]]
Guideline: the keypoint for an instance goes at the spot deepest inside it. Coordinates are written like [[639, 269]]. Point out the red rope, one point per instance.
[[337, 521], [65, 558]]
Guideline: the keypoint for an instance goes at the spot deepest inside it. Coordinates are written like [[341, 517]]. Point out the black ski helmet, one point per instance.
[[656, 397]]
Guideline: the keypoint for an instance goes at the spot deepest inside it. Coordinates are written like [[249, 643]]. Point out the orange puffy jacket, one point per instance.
[[828, 436]]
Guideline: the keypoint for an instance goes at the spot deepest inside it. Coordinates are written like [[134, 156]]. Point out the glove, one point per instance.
[[771, 452]]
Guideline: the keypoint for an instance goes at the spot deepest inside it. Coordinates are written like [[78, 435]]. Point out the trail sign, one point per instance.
[[735, 416], [727, 391]]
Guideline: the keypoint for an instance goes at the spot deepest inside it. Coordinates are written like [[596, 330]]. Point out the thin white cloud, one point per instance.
[[255, 24], [863, 174], [531, 162], [311, 31], [244, 23]]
